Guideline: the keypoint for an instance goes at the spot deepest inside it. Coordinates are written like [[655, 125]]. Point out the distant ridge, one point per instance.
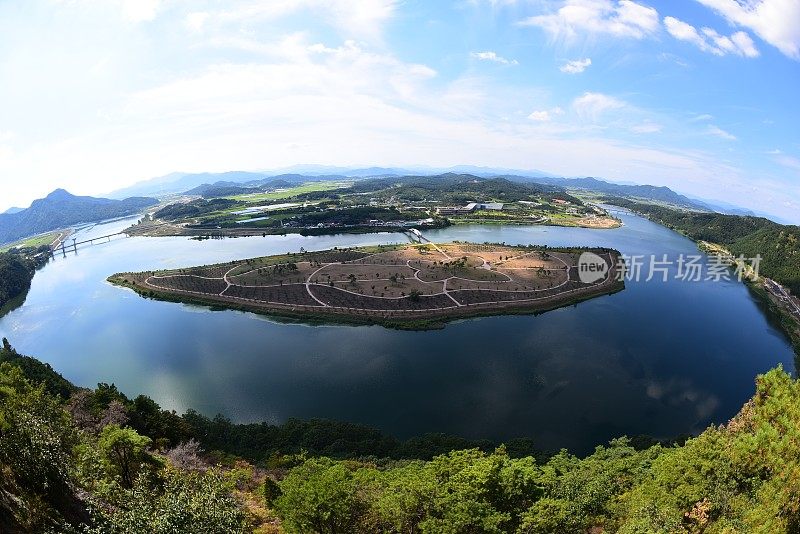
[[647, 192], [180, 182], [60, 209]]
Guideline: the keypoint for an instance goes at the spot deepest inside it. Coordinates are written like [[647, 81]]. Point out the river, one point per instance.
[[659, 358]]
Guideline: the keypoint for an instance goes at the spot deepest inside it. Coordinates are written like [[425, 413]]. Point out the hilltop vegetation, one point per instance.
[[61, 209], [77, 460], [779, 245], [457, 189]]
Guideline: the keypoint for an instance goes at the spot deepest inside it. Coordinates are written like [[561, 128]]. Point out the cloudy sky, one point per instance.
[[698, 95]]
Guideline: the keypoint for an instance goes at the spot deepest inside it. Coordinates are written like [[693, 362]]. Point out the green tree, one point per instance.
[[320, 496], [125, 451]]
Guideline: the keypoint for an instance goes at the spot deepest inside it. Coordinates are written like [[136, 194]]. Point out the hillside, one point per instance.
[[228, 189], [95, 461], [456, 188], [16, 273], [61, 209]]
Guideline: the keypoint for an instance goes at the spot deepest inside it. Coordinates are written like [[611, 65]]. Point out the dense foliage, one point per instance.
[[778, 245], [61, 472], [268, 444], [100, 463], [16, 273], [61, 210]]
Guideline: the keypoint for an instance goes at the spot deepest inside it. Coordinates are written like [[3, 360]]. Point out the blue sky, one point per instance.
[[698, 95]]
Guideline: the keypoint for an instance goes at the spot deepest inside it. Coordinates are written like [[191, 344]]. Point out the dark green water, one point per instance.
[[658, 358]]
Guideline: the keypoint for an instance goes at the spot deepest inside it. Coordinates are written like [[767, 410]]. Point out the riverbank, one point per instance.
[[410, 287], [777, 298], [599, 223], [153, 228]]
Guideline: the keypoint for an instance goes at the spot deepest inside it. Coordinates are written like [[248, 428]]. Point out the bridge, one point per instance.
[[63, 247]]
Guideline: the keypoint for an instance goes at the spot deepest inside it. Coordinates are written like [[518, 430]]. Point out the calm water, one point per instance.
[[657, 358]]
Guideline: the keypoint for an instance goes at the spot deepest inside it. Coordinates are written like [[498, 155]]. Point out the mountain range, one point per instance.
[[61, 209], [180, 182], [201, 183]]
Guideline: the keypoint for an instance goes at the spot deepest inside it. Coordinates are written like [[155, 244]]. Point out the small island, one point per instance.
[[418, 285]]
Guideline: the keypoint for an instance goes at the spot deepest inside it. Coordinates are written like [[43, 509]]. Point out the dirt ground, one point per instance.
[[414, 278]]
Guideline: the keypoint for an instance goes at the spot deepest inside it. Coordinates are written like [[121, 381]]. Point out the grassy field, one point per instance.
[[35, 241], [292, 191]]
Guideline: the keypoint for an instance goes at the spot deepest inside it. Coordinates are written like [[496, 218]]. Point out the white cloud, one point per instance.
[[541, 116], [197, 20], [492, 56], [576, 66], [545, 115], [212, 94], [646, 127], [362, 19], [701, 118], [744, 43], [719, 132], [709, 40], [140, 10], [775, 21], [623, 18], [590, 106]]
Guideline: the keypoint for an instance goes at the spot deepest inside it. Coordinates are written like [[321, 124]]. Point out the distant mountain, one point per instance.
[[220, 189], [732, 209], [13, 210], [187, 183], [646, 192], [179, 182], [175, 183], [61, 209], [227, 188]]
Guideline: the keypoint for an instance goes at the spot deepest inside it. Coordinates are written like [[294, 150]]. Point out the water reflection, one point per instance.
[[657, 358]]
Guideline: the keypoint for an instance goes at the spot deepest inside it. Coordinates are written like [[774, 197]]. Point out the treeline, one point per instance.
[[778, 245], [75, 460], [457, 189], [260, 443]]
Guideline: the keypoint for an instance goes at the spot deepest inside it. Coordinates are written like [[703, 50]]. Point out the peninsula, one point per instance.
[[419, 285]]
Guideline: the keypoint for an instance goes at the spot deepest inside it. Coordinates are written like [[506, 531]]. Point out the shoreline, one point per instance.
[[409, 316], [169, 229], [789, 323]]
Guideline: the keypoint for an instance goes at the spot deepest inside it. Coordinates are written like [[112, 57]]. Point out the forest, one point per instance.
[[17, 268], [81, 460], [778, 245]]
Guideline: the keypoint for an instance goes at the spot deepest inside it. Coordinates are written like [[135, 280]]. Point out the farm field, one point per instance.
[[393, 283], [290, 192], [33, 242]]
